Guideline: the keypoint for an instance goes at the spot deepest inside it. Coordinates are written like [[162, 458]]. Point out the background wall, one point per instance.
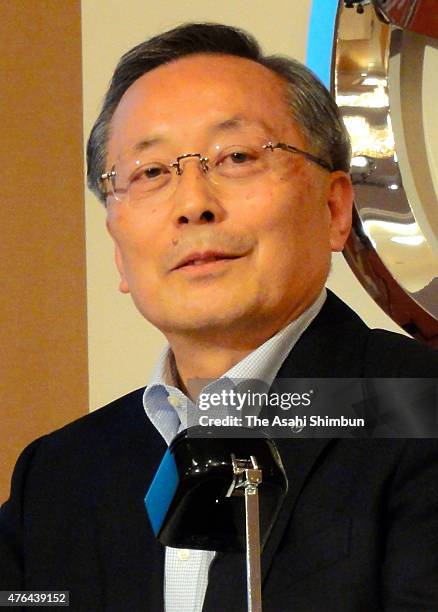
[[122, 346], [43, 368]]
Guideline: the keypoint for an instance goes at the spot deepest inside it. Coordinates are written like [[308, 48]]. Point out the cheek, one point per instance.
[[306, 216], [133, 233], [284, 207], [291, 224]]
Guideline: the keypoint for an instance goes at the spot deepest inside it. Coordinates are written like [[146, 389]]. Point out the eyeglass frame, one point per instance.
[[111, 174]]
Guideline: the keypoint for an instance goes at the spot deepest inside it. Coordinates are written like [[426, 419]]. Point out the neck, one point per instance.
[[203, 357], [199, 363]]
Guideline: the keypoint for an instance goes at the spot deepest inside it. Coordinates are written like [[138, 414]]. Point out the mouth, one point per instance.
[[204, 259]]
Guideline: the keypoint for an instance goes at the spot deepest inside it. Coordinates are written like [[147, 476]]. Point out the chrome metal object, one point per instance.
[[202, 160], [246, 478], [377, 81]]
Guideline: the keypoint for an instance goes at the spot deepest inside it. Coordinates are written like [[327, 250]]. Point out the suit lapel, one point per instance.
[[298, 457], [333, 345]]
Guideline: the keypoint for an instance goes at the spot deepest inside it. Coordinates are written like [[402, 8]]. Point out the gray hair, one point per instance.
[[311, 105]]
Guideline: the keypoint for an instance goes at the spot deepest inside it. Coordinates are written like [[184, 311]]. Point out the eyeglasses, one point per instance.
[[137, 178]]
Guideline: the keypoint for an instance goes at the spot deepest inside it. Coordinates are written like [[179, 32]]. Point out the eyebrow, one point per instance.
[[237, 121], [147, 143]]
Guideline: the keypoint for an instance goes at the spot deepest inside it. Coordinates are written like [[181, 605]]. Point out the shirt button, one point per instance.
[[173, 401], [183, 554]]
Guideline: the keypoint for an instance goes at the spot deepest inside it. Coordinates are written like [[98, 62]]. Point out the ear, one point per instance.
[[340, 202], [123, 285]]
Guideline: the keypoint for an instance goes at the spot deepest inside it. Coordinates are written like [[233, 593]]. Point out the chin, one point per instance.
[[193, 319]]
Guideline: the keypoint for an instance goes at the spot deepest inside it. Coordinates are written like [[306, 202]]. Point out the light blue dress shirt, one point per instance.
[[186, 571]]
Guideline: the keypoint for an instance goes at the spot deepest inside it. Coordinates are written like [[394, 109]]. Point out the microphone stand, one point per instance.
[[246, 478]]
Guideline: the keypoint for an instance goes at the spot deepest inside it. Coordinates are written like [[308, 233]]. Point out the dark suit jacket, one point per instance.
[[358, 531]]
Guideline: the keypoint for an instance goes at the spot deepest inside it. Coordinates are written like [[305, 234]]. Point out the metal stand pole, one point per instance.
[[247, 477]]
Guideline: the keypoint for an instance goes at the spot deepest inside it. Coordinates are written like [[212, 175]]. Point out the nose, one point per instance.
[[194, 199]]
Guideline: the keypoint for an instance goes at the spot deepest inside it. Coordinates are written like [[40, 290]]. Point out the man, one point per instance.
[[225, 178]]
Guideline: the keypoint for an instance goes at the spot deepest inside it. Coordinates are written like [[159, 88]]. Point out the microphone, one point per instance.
[[196, 497]]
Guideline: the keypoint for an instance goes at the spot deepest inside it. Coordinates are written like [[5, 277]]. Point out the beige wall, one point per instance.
[[123, 347]]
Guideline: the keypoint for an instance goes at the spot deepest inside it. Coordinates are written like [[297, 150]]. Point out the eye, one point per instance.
[[238, 160], [237, 156], [148, 177], [150, 172], [240, 157]]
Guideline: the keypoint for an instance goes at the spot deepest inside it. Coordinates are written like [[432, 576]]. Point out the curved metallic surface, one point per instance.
[[377, 80], [417, 15]]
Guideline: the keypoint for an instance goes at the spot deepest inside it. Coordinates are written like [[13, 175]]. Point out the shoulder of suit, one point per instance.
[[98, 447], [391, 354], [111, 420], [338, 344]]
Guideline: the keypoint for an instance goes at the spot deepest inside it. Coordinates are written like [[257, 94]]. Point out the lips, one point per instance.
[[201, 258]]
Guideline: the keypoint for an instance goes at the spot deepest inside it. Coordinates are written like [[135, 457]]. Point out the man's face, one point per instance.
[[204, 259]]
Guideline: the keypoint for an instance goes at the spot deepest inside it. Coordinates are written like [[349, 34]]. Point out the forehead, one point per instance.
[[183, 100]]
